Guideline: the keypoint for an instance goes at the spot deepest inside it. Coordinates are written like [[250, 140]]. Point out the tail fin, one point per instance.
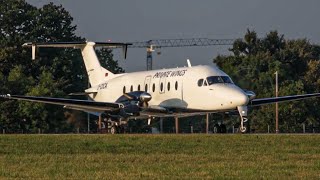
[[96, 73]]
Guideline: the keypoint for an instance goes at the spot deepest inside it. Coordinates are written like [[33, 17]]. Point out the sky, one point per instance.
[[142, 20]]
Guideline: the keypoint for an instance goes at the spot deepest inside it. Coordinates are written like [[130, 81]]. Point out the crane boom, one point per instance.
[[153, 44], [181, 42]]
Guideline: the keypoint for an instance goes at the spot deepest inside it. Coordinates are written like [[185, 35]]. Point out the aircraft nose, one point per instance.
[[240, 98]]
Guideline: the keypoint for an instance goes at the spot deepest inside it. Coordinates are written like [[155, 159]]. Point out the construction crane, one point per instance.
[[151, 45]]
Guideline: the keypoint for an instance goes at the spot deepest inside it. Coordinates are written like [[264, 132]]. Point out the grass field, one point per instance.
[[160, 156]]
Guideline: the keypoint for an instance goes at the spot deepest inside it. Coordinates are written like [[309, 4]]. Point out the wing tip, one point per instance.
[[5, 95]]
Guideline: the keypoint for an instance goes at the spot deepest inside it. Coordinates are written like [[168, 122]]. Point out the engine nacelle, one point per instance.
[[134, 101]]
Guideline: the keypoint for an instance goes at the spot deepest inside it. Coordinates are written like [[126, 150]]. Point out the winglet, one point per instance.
[[125, 50]]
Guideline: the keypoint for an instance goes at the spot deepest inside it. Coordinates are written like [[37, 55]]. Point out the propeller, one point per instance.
[[128, 96], [145, 98], [142, 97]]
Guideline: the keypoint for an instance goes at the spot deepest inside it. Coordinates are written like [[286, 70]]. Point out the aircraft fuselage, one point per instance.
[[197, 88]]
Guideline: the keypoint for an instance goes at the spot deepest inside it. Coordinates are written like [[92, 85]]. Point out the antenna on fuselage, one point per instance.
[[189, 63]]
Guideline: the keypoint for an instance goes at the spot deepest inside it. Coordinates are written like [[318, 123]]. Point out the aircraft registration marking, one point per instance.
[[102, 86]]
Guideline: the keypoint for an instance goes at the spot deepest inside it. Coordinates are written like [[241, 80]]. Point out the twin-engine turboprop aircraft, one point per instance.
[[182, 91]]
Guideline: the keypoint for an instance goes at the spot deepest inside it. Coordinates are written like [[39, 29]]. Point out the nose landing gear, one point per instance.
[[243, 111]]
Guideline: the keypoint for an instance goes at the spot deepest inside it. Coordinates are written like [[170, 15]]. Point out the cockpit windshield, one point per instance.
[[219, 79]]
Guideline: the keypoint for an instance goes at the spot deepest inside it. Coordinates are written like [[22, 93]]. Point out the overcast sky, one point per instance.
[[142, 20]]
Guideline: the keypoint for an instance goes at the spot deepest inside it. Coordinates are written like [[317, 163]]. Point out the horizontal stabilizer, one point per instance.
[[86, 93], [75, 44], [34, 45], [81, 93]]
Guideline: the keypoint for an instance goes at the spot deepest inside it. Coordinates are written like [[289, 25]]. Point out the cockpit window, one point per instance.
[[200, 82], [205, 83], [218, 79], [226, 79], [214, 80]]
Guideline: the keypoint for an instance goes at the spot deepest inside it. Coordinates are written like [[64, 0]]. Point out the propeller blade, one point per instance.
[[128, 96], [145, 104]]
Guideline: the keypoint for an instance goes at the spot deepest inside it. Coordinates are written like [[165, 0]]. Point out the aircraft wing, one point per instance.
[[263, 101], [164, 115], [159, 111], [85, 105]]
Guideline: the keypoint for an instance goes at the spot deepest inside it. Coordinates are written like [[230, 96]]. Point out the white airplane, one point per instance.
[[181, 91]]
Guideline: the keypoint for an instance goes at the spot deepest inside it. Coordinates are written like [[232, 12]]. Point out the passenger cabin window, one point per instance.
[[124, 89], [161, 87], [153, 87], [200, 82], [168, 86], [146, 88], [131, 88], [139, 87], [176, 85]]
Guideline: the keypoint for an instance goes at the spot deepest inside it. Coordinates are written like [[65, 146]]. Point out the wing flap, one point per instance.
[[75, 103], [85, 109]]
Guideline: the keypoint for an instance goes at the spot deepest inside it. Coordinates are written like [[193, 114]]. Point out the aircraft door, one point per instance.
[[178, 86], [146, 87], [181, 83]]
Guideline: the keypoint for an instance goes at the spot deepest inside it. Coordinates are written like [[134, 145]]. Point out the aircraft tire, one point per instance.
[[217, 129], [243, 130], [113, 130], [220, 128], [223, 128]]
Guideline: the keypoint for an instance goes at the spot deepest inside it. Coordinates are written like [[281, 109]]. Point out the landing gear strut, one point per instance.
[[117, 126], [220, 128], [113, 130], [243, 111]]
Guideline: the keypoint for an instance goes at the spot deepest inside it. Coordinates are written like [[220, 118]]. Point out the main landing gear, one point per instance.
[[220, 128], [115, 125], [243, 111]]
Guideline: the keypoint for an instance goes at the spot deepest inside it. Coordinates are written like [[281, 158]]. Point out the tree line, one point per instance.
[[55, 72], [251, 63]]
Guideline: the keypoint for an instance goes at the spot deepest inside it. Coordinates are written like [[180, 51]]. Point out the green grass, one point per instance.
[[160, 156]]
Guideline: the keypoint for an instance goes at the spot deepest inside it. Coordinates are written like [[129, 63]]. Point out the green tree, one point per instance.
[[55, 72], [252, 65], [106, 60]]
